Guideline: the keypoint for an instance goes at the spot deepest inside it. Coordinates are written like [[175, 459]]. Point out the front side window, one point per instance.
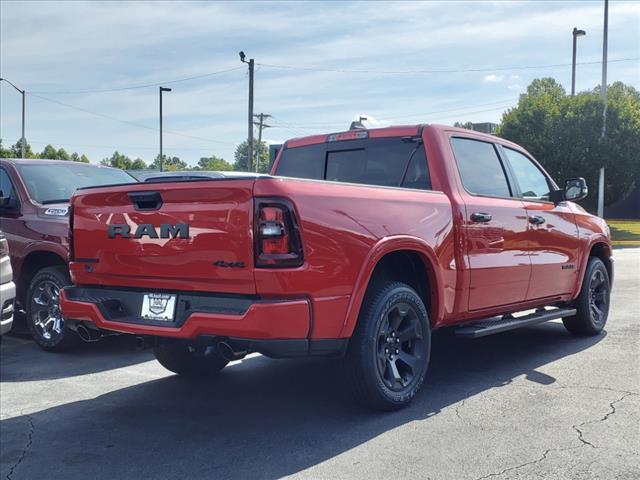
[[480, 168], [533, 183]]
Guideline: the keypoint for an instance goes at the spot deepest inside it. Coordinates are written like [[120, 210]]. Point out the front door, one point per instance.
[[552, 231], [495, 227]]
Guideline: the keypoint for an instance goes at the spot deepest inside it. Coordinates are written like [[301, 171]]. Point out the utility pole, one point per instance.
[[250, 117], [603, 88], [162, 89], [576, 33], [261, 125], [23, 141]]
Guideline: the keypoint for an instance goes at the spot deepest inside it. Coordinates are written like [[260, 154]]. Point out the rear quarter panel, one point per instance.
[[346, 228]]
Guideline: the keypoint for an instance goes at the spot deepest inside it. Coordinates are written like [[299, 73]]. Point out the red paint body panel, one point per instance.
[[474, 270], [219, 215]]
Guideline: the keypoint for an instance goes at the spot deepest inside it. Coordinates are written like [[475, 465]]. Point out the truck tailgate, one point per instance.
[[193, 235]]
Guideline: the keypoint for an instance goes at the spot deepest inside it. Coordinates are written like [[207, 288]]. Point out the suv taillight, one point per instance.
[[276, 233], [4, 246], [70, 235]]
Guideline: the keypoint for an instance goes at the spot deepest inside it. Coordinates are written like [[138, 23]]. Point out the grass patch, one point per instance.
[[625, 232]]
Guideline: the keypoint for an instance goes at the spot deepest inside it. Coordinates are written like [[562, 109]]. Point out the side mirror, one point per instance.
[[575, 189]]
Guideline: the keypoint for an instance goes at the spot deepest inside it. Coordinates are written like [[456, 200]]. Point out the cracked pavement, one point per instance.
[[535, 403]]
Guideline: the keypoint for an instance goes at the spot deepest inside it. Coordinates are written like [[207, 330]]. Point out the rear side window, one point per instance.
[[389, 162], [480, 167]]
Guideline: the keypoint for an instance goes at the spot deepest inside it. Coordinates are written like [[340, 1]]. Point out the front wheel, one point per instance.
[[389, 351], [44, 317], [189, 361], [592, 304]]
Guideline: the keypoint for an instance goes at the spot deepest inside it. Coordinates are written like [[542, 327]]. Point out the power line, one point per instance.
[[134, 87], [455, 111], [422, 71], [109, 147], [126, 122]]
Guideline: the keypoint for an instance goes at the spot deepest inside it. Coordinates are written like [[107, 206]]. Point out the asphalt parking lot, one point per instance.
[[533, 403]]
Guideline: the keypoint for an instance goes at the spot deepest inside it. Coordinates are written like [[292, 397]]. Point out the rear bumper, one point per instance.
[[197, 315]]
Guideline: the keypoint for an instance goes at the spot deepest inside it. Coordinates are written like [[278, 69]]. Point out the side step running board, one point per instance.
[[508, 322]]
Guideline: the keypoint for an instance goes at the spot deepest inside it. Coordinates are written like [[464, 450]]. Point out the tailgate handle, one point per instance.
[[146, 200]]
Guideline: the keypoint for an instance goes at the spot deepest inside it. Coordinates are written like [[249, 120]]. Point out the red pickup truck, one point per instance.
[[359, 245]]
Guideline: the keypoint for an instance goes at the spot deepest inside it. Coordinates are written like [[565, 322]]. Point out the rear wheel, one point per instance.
[[189, 361], [44, 317], [389, 352], [592, 304]]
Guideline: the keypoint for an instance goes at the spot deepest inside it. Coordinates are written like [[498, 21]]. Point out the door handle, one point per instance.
[[480, 217], [536, 220]]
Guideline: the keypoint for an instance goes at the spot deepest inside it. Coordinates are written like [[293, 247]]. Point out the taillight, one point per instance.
[[70, 235], [277, 235], [4, 246]]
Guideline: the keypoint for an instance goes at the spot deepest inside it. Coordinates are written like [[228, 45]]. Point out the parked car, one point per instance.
[[359, 245], [34, 211], [7, 287]]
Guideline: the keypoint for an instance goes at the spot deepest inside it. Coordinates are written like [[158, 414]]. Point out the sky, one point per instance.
[[319, 65]]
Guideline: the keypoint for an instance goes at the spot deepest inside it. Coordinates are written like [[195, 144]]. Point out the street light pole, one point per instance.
[[603, 88], [250, 117], [576, 33], [261, 126], [162, 89], [23, 140]]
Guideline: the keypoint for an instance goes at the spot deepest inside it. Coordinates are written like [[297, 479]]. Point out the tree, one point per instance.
[[5, 152], [564, 133], [241, 155], [169, 164], [75, 157], [467, 125], [117, 160], [213, 163], [49, 153], [16, 150], [138, 164], [62, 154]]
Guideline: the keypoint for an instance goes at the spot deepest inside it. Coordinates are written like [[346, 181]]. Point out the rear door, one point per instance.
[[193, 235], [495, 227], [553, 235]]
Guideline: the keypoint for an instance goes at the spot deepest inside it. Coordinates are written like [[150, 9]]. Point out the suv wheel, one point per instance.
[[44, 317], [190, 361], [592, 304], [389, 352]]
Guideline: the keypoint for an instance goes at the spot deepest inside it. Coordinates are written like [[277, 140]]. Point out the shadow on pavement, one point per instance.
[[23, 361], [260, 418]]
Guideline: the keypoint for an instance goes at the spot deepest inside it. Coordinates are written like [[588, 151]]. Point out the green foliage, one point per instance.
[[169, 164], [467, 125], [241, 155], [564, 133], [138, 164], [213, 163], [117, 160], [15, 151]]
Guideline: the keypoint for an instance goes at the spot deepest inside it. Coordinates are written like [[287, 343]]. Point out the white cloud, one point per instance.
[[493, 78]]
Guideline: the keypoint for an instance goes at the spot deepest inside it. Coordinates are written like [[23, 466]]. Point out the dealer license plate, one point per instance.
[[158, 306]]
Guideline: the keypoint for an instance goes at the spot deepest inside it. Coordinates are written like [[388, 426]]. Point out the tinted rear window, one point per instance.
[[388, 162]]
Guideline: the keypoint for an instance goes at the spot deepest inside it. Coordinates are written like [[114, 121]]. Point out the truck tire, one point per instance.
[[389, 351], [42, 305], [189, 361], [592, 304]]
